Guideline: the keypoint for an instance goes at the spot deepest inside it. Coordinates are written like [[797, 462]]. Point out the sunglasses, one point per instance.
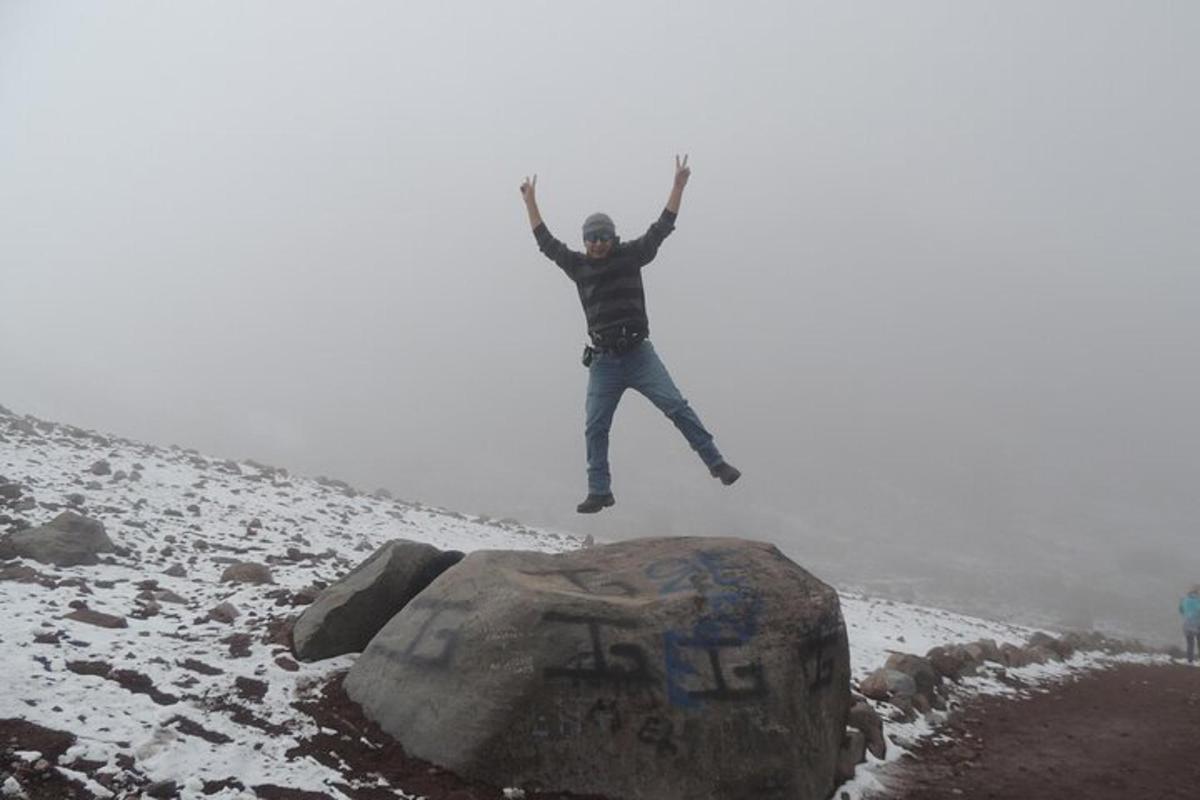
[[598, 236]]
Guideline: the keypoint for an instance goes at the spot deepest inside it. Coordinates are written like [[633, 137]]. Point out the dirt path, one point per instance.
[[1127, 733]]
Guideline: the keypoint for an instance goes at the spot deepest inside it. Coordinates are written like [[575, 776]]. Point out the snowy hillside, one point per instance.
[[176, 684]]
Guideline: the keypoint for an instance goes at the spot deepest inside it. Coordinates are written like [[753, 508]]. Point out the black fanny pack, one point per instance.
[[617, 340]]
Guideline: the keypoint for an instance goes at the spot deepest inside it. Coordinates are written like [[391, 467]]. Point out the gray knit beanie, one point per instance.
[[599, 222]]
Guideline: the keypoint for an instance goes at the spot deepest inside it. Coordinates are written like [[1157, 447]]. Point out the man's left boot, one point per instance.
[[726, 472], [594, 503]]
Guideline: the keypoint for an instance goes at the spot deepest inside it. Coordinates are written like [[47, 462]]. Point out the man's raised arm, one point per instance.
[[528, 191], [682, 173], [555, 250], [645, 247]]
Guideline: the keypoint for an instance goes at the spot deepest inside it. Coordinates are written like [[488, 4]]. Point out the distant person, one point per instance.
[[608, 277], [1189, 609]]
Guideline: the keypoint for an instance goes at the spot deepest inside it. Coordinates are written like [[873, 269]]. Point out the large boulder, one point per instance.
[[347, 615], [660, 668], [68, 540]]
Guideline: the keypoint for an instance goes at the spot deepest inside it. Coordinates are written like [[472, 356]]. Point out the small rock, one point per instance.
[[852, 753], [163, 790], [285, 663], [247, 572], [866, 719], [97, 618], [225, 612]]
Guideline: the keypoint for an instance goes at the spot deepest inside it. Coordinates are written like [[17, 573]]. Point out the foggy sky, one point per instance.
[[934, 279]]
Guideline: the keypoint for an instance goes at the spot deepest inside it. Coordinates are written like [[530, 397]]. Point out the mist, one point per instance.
[[933, 285]]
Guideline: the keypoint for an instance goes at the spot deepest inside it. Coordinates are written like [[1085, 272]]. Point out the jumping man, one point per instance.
[[608, 277]]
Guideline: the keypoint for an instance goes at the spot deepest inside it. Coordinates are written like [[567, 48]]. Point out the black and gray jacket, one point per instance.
[[610, 289]]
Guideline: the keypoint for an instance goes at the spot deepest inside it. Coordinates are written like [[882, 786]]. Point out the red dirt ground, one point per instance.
[[1127, 733]]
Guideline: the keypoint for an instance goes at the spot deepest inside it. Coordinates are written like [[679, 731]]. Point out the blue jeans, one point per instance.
[[640, 369]]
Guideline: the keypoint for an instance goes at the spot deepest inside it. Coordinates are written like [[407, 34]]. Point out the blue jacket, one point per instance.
[[1189, 608]]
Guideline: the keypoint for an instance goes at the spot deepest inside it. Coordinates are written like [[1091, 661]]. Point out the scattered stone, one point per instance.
[[20, 573], [247, 572], [192, 728], [917, 668], [92, 617], [285, 663], [167, 596], [1042, 654], [865, 718], [306, 596], [1014, 656], [199, 666], [239, 645], [68, 540], [146, 609], [853, 751], [137, 683], [98, 668], [225, 612], [887, 684], [176, 571], [251, 689], [952, 661], [101, 467]]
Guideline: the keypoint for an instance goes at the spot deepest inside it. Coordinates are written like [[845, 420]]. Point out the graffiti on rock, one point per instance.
[[729, 623], [437, 637], [659, 732], [582, 578], [817, 657], [751, 684], [622, 663]]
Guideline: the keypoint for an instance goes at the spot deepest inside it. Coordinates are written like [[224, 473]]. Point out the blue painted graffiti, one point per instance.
[[729, 622]]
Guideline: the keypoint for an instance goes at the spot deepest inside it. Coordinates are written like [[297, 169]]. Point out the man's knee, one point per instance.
[[597, 427], [675, 408]]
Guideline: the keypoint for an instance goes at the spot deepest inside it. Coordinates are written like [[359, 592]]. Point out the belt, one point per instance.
[[617, 340]]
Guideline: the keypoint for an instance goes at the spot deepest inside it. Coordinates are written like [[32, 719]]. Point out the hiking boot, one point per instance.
[[594, 503], [726, 472]]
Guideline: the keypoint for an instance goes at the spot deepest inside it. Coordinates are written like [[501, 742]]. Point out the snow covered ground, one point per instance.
[[198, 701]]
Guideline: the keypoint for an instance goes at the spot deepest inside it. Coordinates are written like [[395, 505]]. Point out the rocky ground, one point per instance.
[[160, 665], [1122, 733]]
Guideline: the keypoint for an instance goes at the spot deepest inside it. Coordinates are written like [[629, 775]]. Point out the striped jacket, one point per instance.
[[610, 289]]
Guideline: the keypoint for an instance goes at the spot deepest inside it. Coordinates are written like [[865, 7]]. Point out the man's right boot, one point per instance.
[[594, 503], [726, 472]]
